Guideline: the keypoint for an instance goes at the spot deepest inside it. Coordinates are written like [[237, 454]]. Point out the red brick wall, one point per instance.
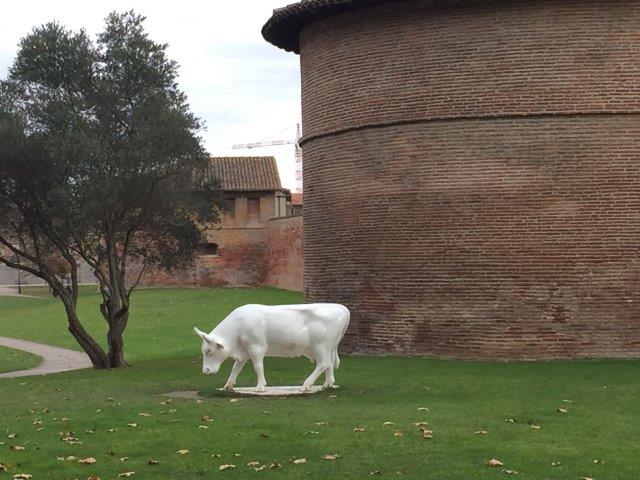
[[472, 177], [284, 253]]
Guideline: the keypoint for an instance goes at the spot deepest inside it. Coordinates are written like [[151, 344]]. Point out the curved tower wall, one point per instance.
[[472, 176]]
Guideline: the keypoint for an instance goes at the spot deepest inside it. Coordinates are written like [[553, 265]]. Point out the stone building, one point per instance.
[[472, 173], [255, 242]]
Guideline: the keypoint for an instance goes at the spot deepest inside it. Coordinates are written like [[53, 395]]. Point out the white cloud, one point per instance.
[[244, 88]]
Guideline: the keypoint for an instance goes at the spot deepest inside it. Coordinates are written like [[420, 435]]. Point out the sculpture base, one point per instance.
[[281, 391]]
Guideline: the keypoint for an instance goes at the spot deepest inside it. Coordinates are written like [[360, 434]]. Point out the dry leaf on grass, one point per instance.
[[423, 409], [322, 424], [421, 424], [535, 427], [22, 476], [329, 456], [387, 424], [12, 435], [494, 462], [398, 434], [182, 452], [299, 461], [424, 433], [87, 461], [260, 468], [274, 466], [226, 467], [16, 448], [555, 464], [144, 414], [562, 410], [586, 478], [359, 429], [480, 432], [253, 464], [132, 425], [375, 472], [510, 472], [127, 474], [3, 467], [207, 418], [93, 477], [124, 459], [153, 462]]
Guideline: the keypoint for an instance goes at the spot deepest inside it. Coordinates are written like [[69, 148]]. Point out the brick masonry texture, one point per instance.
[[472, 177], [284, 253]]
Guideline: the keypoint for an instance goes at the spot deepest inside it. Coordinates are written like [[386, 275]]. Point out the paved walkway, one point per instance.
[[55, 359]]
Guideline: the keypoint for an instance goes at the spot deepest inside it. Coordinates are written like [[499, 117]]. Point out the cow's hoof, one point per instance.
[[261, 389], [306, 388], [229, 386]]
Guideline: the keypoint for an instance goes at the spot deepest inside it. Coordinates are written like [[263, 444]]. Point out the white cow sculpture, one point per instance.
[[252, 332]]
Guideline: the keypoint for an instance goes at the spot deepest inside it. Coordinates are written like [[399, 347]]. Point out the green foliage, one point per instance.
[[100, 159], [462, 398]]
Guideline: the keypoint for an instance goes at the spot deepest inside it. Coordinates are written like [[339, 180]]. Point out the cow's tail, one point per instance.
[[345, 319]]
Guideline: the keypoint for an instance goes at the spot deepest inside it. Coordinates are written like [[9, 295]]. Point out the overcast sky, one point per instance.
[[244, 88]]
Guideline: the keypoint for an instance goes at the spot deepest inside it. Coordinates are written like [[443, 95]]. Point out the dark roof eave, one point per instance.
[[284, 26]]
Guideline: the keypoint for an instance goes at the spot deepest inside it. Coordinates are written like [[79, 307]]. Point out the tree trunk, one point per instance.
[[116, 343], [89, 345]]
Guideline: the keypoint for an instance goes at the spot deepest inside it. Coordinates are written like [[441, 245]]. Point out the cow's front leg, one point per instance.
[[235, 371], [258, 366]]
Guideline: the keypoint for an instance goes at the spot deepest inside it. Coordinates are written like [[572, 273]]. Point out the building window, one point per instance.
[[253, 209], [208, 249]]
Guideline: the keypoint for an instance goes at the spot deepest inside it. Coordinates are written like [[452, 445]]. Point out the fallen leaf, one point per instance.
[[494, 462], [182, 452], [421, 424], [93, 477], [562, 410], [87, 461], [328, 456], [375, 472], [3, 467], [127, 474], [203, 427], [264, 435], [387, 424], [112, 430], [555, 464], [144, 414], [16, 448], [215, 455], [123, 459], [233, 400], [153, 462], [132, 425], [586, 478], [299, 461], [480, 432], [226, 467], [274, 466], [424, 433], [207, 418], [423, 409], [510, 420], [22, 476], [510, 472], [237, 455], [311, 432], [260, 468], [12, 435], [398, 434], [71, 458], [333, 396], [359, 429], [322, 423], [597, 461], [253, 464]]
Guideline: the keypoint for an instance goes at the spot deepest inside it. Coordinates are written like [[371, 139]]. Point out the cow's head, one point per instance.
[[213, 352]]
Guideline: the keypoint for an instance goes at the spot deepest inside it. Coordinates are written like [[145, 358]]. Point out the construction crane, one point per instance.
[[274, 143]]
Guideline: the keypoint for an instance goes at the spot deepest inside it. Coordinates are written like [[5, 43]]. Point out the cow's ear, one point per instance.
[[216, 342]]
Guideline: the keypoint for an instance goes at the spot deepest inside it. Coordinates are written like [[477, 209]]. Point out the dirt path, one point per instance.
[[55, 359]]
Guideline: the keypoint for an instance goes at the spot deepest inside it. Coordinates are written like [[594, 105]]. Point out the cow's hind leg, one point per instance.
[[323, 362]]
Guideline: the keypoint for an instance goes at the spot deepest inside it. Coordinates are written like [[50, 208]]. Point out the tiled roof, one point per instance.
[[283, 28], [245, 173]]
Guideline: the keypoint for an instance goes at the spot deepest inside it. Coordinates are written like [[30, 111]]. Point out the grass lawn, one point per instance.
[[11, 360], [597, 437]]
